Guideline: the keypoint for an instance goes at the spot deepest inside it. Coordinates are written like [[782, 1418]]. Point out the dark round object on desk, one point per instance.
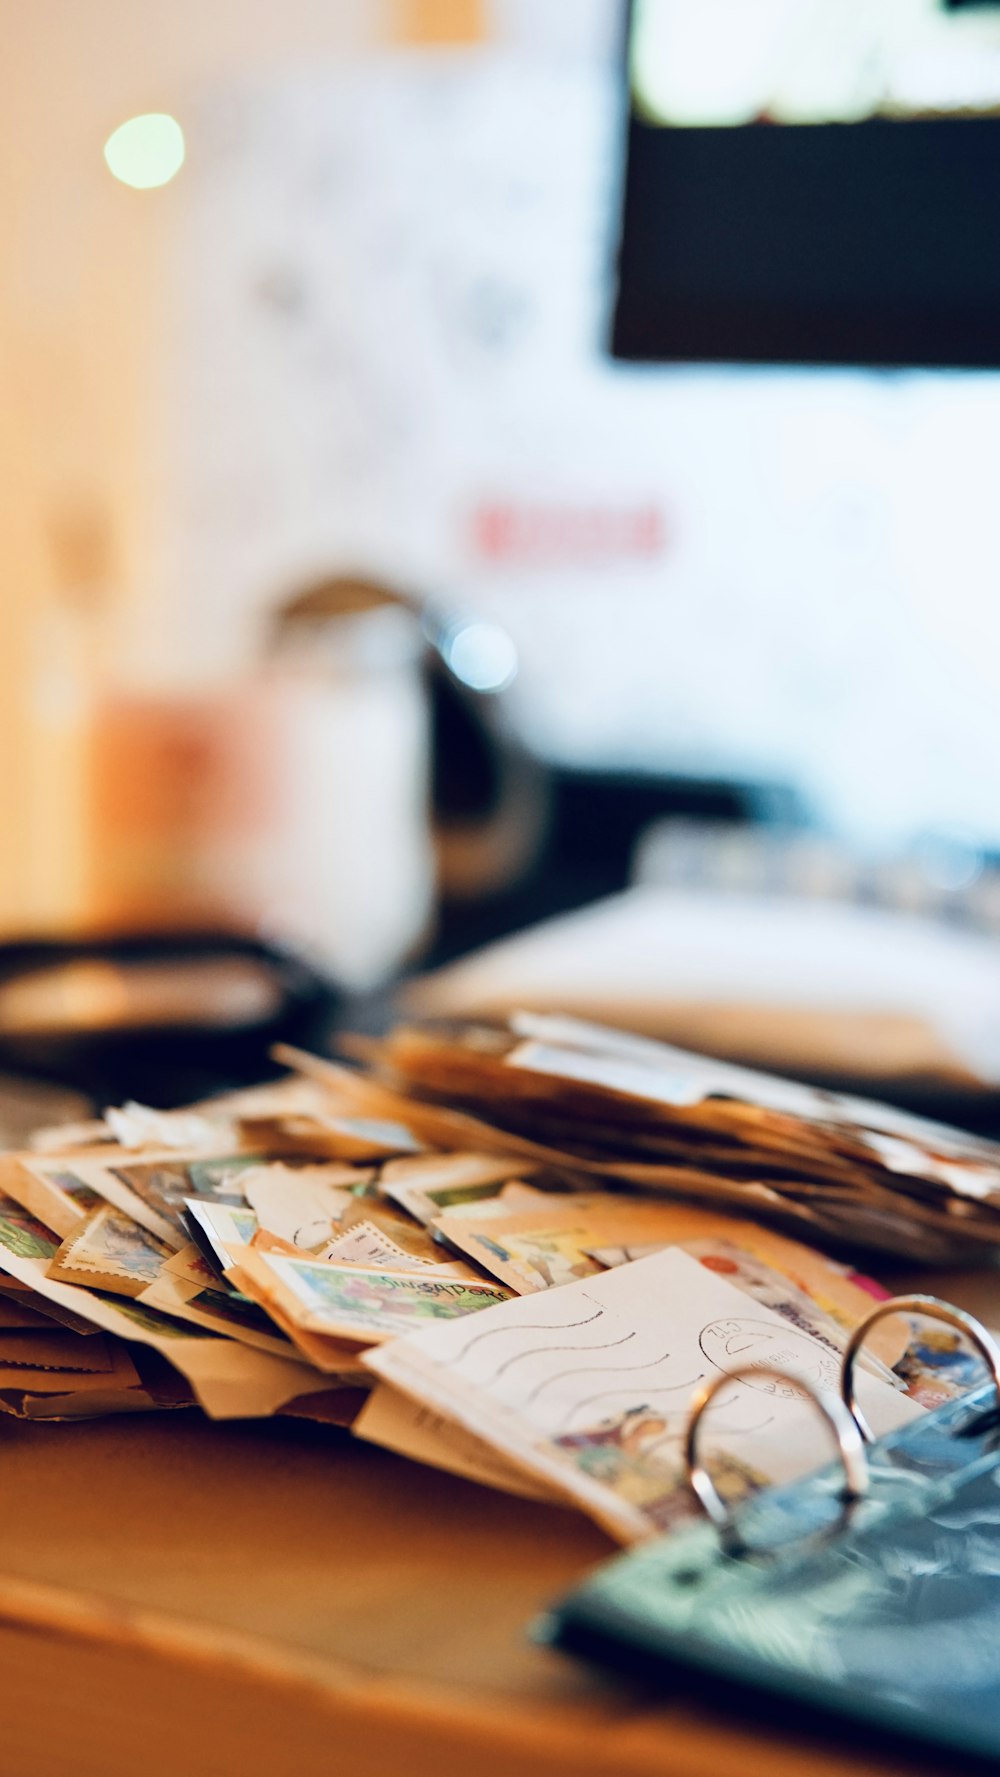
[[164, 1018]]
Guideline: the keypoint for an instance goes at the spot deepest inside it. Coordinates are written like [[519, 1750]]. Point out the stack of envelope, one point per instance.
[[625, 1109], [512, 1252]]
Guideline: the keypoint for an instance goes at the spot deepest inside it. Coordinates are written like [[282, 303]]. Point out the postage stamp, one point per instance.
[[49, 1187], [110, 1252], [370, 1304]]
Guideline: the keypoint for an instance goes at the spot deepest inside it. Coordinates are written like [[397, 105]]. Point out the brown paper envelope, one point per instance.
[[229, 1379], [397, 1423], [119, 1373], [206, 1306], [334, 1357], [50, 1381], [21, 1316], [50, 1187], [340, 1405], [56, 1351], [12, 1290]]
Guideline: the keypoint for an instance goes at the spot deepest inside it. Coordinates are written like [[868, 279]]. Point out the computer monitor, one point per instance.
[[812, 182]]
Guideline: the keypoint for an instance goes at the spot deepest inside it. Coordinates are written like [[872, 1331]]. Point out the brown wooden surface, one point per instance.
[[183, 1596]]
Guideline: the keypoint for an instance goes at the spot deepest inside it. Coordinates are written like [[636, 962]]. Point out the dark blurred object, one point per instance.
[[597, 821], [163, 1019], [864, 242]]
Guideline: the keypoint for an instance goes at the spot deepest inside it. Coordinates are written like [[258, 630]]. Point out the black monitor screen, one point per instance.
[[812, 181]]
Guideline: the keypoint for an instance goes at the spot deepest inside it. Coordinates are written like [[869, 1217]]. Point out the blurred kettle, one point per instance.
[[487, 798]]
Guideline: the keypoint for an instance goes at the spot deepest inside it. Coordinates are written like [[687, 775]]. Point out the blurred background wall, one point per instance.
[[217, 391], [95, 540], [83, 330]]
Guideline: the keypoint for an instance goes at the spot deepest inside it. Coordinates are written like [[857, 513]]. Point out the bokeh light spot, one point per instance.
[[482, 655], [146, 151]]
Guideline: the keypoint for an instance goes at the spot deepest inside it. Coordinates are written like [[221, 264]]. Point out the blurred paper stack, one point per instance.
[[291, 1248], [601, 1103]]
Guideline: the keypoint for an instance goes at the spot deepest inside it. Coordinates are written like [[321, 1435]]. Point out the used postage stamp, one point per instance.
[[110, 1252], [366, 1303]]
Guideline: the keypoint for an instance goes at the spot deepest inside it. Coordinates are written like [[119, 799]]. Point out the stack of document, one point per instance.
[[511, 1252], [604, 1104]]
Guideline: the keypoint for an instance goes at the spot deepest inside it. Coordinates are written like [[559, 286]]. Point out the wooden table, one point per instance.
[[186, 1597]]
